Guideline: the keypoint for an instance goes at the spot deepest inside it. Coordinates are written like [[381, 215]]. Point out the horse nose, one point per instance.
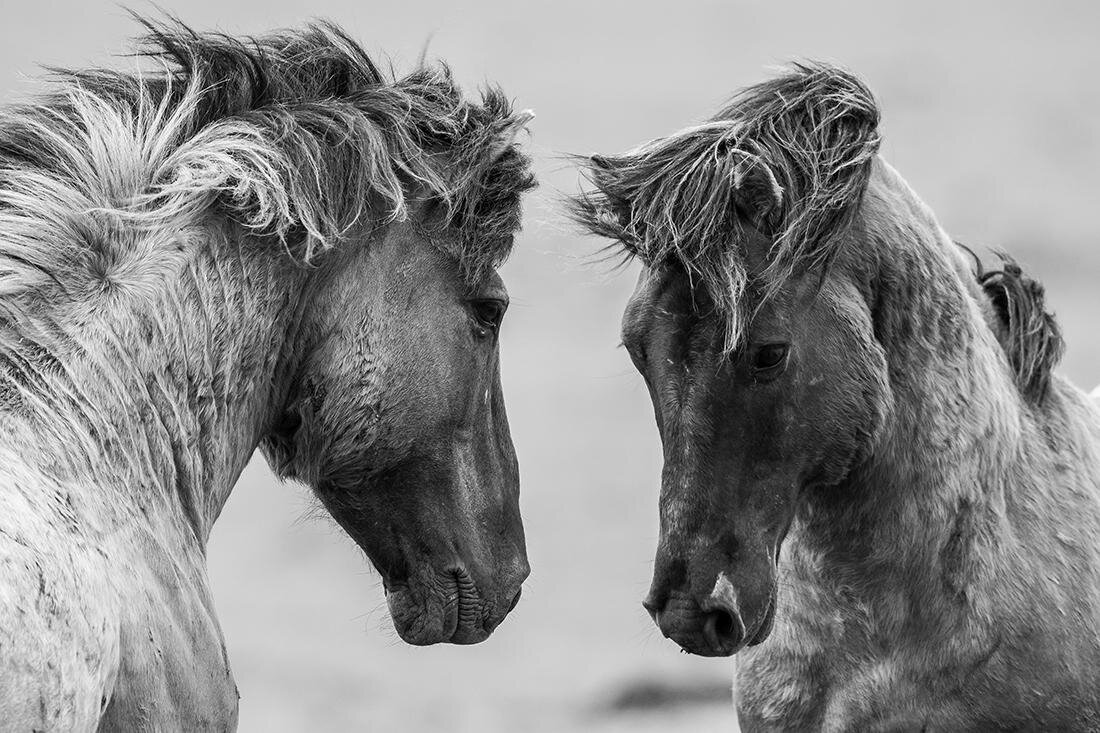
[[722, 625], [710, 626], [723, 629]]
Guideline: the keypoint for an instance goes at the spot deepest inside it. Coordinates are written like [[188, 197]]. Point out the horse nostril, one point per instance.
[[724, 624], [722, 629]]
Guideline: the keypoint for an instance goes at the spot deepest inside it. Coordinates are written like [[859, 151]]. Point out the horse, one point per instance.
[[875, 492], [244, 242]]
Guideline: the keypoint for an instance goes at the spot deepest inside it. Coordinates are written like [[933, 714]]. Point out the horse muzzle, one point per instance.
[[447, 607], [714, 625]]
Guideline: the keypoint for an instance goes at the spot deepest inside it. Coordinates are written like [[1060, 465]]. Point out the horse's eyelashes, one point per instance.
[[770, 359], [489, 313]]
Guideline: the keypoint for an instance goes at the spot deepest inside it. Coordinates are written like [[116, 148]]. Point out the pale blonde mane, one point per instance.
[[296, 137]]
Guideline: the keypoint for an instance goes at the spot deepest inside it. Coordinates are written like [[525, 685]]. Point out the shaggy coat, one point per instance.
[[170, 242], [936, 532]]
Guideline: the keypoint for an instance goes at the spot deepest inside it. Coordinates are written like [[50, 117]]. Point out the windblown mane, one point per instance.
[[1029, 336], [792, 156], [295, 136]]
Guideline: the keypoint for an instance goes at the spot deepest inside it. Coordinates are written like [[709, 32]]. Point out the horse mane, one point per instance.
[[296, 136], [1029, 336], [791, 156]]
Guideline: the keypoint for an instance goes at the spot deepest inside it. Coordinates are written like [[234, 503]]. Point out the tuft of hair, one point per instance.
[[790, 157], [1028, 334], [296, 136]]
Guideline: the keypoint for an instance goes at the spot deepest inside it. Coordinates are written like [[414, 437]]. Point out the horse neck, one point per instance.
[[158, 399], [945, 452]]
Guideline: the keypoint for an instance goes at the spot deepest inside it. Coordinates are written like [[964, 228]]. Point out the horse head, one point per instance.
[[756, 343], [396, 415], [397, 420], [386, 206]]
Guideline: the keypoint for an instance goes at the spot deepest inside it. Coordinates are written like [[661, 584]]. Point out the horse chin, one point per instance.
[[441, 608]]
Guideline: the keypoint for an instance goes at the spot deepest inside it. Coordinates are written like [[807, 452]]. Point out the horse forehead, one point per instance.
[[671, 291]]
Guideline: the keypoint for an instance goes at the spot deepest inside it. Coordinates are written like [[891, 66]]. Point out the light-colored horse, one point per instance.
[[263, 242], [875, 490]]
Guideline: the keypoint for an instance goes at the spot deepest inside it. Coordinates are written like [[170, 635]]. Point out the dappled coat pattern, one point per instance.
[[904, 514]]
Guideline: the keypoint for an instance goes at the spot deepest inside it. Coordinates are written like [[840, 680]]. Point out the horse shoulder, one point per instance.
[[174, 671], [59, 650], [106, 616]]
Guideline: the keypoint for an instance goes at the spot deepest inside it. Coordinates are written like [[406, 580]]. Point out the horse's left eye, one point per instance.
[[489, 313], [769, 357]]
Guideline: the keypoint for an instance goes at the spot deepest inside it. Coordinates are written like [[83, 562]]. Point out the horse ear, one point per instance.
[[606, 212], [606, 174], [506, 138], [757, 194]]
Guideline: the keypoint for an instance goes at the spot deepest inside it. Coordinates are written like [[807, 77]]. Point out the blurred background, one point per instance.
[[990, 112]]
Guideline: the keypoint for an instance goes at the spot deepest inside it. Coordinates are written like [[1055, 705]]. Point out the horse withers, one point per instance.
[[875, 491], [260, 242]]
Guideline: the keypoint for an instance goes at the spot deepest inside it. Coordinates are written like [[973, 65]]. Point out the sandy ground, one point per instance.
[[990, 113]]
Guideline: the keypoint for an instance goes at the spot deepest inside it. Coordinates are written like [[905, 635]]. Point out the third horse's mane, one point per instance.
[[1028, 334]]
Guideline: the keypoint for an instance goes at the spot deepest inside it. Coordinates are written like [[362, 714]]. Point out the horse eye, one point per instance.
[[489, 313], [769, 356]]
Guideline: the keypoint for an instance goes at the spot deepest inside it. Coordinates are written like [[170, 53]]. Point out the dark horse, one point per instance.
[[873, 486], [260, 242]]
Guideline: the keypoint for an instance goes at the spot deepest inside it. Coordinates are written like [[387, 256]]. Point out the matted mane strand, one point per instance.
[[791, 156], [296, 136]]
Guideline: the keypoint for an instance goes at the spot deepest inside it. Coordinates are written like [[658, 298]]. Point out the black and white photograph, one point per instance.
[[549, 367]]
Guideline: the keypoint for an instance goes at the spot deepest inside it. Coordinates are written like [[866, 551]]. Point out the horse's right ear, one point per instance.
[[605, 176], [600, 162], [757, 195], [606, 211], [507, 137]]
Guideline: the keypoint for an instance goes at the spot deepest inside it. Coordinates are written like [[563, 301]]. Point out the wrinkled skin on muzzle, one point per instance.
[[744, 432], [444, 579]]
